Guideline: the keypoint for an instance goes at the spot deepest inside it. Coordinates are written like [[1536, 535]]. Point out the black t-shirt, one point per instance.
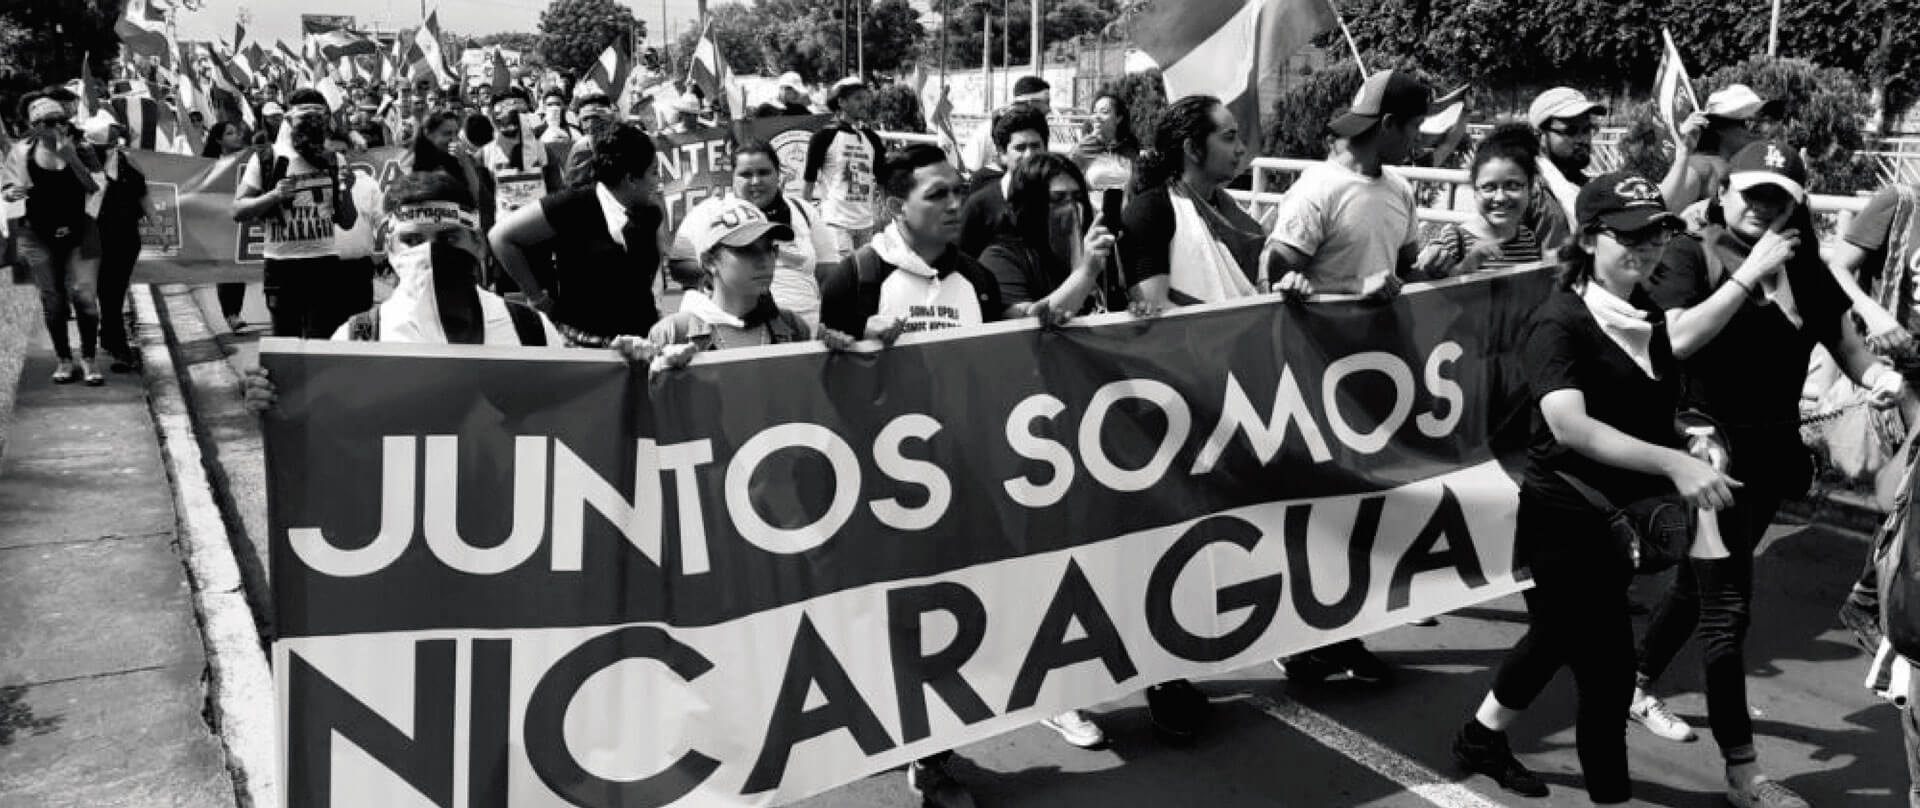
[[1564, 349], [1149, 223], [984, 218], [1749, 376], [1024, 274], [599, 286]]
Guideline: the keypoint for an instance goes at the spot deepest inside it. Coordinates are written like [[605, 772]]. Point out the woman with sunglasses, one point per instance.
[[1605, 386], [1050, 262], [1748, 298], [61, 241]]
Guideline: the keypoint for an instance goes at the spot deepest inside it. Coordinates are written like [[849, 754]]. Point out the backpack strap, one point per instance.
[[526, 324]]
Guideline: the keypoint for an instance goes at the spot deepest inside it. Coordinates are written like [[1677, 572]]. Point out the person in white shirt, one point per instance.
[[799, 260], [1346, 226], [840, 166], [357, 244], [297, 188]]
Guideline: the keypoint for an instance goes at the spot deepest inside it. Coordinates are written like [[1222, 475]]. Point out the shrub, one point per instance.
[[1824, 109], [1144, 95], [897, 109]]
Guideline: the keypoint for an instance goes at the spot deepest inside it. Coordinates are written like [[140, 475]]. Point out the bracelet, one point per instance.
[[1742, 284]]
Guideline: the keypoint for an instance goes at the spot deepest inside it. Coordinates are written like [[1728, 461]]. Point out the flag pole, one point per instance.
[[1773, 33], [1352, 46]]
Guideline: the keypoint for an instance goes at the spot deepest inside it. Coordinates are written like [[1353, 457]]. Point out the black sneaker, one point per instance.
[[1358, 662], [1178, 710], [931, 778], [1494, 759], [1308, 667]]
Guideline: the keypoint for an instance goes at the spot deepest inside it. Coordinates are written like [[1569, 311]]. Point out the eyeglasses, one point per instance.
[[1491, 188], [1655, 236]]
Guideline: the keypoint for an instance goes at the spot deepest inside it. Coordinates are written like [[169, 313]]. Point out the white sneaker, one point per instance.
[[1075, 728], [1650, 712], [1763, 792]]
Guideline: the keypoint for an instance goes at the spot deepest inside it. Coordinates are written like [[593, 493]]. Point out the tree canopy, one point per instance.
[[573, 33], [776, 36], [70, 31], [1061, 20]]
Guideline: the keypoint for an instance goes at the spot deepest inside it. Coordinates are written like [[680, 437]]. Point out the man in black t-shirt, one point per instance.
[[1018, 133]]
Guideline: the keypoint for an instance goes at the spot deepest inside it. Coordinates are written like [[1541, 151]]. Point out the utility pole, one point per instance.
[[859, 35], [1038, 35], [1773, 33], [986, 54]]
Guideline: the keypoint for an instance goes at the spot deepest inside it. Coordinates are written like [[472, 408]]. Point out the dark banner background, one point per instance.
[[324, 451]]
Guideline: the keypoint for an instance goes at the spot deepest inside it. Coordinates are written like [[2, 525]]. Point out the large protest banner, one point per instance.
[[698, 164], [534, 577], [192, 237]]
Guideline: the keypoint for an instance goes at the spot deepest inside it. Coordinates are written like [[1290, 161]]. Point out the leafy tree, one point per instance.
[[1824, 107], [896, 108], [1297, 124], [69, 31], [1061, 20], [573, 33], [804, 36]]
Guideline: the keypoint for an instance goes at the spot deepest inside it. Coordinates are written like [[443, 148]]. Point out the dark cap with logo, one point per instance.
[[1622, 201], [1769, 163], [1387, 92]]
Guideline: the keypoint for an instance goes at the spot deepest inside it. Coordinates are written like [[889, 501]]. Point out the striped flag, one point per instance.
[[608, 74], [339, 42], [427, 49], [1671, 86], [150, 125], [227, 83], [143, 29], [708, 70], [1236, 50]]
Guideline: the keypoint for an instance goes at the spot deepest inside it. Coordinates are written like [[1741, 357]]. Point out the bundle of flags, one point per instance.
[[143, 30], [1234, 49]]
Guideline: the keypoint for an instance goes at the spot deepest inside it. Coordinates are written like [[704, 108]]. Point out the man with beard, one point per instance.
[[1564, 118], [301, 194]]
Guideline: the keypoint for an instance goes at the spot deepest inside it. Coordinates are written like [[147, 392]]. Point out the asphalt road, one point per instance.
[[1340, 744]]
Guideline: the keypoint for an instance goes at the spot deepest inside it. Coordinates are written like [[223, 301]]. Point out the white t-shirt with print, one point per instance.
[[929, 304], [1352, 225], [847, 176], [303, 228]]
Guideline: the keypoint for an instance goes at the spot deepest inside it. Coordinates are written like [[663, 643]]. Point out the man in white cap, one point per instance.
[[1733, 117], [271, 114], [1564, 118], [792, 99]]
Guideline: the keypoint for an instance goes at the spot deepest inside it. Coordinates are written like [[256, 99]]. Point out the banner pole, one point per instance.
[[1346, 32]]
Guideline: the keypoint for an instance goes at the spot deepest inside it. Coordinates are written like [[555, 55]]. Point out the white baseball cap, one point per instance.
[[731, 221], [1561, 102], [792, 79], [1739, 102]]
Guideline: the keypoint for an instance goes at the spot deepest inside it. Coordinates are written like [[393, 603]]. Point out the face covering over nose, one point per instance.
[[1064, 230], [436, 299]]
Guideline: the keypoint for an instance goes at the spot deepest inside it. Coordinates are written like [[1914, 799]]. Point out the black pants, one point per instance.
[[313, 297], [232, 297], [119, 252], [1716, 597], [1576, 618]]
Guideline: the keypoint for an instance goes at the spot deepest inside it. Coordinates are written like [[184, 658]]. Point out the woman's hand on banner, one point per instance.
[[885, 329], [636, 350], [257, 391], [837, 341], [1384, 287], [1293, 287], [672, 358]]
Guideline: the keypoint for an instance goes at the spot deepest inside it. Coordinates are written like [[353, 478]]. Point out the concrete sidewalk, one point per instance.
[[102, 666]]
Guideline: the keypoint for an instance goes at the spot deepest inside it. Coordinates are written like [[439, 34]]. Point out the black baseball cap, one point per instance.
[[1387, 92], [1769, 163], [1623, 201]]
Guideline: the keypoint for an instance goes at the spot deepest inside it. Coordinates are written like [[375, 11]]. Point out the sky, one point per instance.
[[280, 19]]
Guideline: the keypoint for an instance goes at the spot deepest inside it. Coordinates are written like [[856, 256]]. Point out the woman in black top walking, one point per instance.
[[1606, 387], [62, 239], [588, 256]]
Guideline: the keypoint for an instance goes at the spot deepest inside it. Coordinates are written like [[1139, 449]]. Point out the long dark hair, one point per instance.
[[1125, 142], [1186, 121], [426, 155], [1030, 199], [215, 134]]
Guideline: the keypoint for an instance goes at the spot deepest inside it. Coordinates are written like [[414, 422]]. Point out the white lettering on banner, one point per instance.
[[577, 487], [652, 715]]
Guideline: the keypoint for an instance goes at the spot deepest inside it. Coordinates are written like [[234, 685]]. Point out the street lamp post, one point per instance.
[[986, 53]]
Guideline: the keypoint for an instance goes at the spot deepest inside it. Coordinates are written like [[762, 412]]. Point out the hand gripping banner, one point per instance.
[[534, 577]]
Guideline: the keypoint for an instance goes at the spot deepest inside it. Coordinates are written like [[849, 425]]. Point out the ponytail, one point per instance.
[[1186, 121]]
